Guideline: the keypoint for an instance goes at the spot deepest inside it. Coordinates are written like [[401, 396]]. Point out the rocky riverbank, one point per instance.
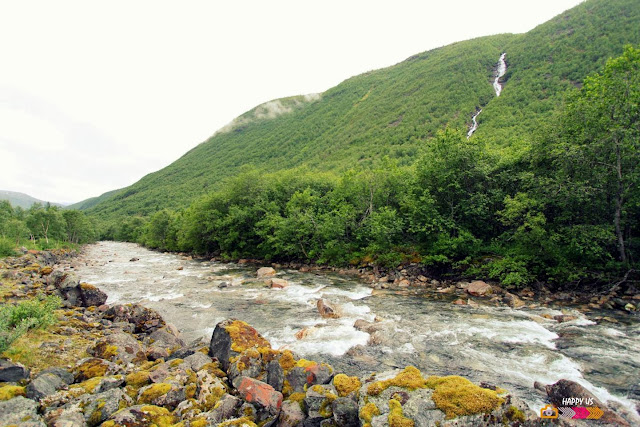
[[122, 365]]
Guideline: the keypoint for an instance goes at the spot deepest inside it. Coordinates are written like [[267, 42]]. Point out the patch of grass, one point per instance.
[[17, 319]]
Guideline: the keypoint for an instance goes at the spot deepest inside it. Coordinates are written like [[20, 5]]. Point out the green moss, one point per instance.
[[396, 418], [410, 378], [346, 385], [105, 350], [92, 368], [153, 392], [10, 391], [88, 386], [457, 396]]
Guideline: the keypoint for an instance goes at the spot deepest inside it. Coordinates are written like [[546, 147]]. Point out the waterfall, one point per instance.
[[502, 69], [475, 124]]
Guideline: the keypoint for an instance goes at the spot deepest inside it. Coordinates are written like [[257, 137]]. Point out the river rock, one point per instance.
[[275, 375], [513, 301], [265, 272], [326, 310], [277, 283], [479, 288], [20, 411], [11, 372], [166, 338], [345, 412], [100, 407], [566, 389]]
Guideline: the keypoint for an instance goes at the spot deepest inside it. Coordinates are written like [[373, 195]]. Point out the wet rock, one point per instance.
[[44, 385], [11, 372], [291, 414], [231, 337], [260, 394], [513, 301], [20, 411], [560, 318], [134, 259], [479, 288], [366, 326], [265, 272], [90, 295], [277, 283], [326, 310], [566, 389], [460, 301]]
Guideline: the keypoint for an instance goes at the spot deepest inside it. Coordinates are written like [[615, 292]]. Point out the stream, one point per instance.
[[499, 345]]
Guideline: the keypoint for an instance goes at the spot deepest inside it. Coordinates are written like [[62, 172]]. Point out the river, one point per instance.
[[499, 345]]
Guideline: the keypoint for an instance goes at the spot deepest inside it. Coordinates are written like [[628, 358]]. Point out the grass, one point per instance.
[[17, 319]]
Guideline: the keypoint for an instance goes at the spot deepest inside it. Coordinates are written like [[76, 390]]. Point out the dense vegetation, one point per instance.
[[33, 313], [378, 169], [565, 210], [43, 227]]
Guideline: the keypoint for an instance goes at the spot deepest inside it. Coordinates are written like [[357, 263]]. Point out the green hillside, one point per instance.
[[22, 200], [378, 171], [391, 112]]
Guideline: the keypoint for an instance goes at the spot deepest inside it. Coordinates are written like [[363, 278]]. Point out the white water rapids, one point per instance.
[[498, 345]]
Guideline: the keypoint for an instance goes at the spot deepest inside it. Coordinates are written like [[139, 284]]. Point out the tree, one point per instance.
[[599, 149], [46, 222]]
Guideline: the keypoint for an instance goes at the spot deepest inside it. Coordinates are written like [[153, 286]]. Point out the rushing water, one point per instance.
[[499, 345], [501, 71], [474, 125]]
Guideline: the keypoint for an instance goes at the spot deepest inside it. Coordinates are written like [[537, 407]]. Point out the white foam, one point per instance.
[[356, 294], [515, 332], [160, 297]]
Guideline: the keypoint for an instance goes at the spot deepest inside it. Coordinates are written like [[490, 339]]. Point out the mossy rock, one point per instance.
[[92, 367], [10, 391], [346, 385], [457, 396]]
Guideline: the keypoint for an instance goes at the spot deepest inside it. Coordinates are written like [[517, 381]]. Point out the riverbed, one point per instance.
[[498, 345]]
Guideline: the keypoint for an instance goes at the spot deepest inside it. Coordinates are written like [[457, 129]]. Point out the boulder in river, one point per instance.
[[265, 272], [563, 390], [479, 288], [326, 310], [231, 337]]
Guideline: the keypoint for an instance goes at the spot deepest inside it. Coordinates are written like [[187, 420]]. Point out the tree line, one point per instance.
[[43, 227]]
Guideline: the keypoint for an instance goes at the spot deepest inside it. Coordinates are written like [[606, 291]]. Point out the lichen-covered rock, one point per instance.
[[318, 401], [20, 411], [231, 337], [44, 385], [141, 416], [144, 319], [164, 338], [225, 410], [291, 414], [345, 412], [119, 347], [261, 394], [91, 296], [11, 372], [92, 367], [98, 408]]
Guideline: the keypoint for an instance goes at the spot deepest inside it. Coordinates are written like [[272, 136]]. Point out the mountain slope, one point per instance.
[[20, 199], [391, 112]]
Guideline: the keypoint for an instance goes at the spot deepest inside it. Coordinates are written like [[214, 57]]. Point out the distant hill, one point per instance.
[[391, 112], [23, 200]]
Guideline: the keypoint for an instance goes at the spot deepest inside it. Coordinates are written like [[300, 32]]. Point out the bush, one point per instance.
[[6, 247], [17, 319]]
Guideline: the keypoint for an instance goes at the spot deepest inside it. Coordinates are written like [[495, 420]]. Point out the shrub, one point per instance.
[[16, 319]]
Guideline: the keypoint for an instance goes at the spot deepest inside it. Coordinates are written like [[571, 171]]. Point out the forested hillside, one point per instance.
[[378, 170]]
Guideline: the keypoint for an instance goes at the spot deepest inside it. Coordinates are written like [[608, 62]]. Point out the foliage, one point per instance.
[[16, 319]]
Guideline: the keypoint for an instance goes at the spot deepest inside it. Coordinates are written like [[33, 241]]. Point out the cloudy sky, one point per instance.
[[95, 95]]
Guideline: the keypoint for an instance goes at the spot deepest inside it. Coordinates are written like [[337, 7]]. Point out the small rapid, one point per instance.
[[498, 345]]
